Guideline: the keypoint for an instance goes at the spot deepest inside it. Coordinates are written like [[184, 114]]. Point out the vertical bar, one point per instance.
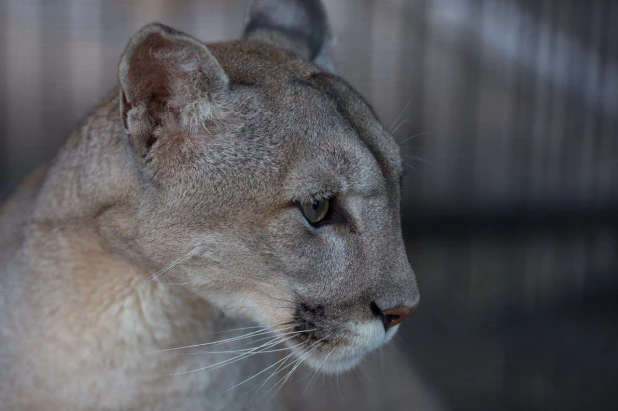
[[4, 186], [56, 79], [590, 118], [542, 116], [85, 56], [608, 184], [553, 182], [415, 44], [24, 115]]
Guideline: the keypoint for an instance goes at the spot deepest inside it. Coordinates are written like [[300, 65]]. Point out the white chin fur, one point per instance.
[[335, 365], [367, 338]]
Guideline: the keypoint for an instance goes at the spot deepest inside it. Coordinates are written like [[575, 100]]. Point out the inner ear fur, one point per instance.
[[170, 79]]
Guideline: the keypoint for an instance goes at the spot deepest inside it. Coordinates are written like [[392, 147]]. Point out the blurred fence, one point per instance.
[[511, 102]]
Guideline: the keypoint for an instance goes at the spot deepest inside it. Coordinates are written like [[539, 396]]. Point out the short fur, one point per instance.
[[192, 170]]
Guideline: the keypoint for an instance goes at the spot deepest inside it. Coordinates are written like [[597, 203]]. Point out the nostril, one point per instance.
[[375, 309], [391, 318]]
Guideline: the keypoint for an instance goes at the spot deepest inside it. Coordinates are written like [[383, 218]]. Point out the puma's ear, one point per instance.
[[168, 80], [296, 26]]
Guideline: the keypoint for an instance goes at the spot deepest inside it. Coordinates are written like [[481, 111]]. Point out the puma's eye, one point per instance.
[[316, 210]]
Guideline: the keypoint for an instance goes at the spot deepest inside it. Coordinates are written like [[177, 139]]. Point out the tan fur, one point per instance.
[[202, 168]]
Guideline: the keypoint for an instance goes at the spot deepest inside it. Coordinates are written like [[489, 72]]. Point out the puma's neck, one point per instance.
[[105, 294], [93, 172], [82, 236]]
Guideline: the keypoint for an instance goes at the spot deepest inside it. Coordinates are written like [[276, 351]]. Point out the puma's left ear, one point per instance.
[[299, 27], [168, 81]]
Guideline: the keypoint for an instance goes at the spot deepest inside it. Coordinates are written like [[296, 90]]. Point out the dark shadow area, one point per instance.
[[520, 319]]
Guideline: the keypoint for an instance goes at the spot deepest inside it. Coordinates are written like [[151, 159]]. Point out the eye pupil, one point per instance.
[[315, 210]]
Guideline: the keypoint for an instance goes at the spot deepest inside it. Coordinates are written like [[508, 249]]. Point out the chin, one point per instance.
[[336, 365], [338, 355]]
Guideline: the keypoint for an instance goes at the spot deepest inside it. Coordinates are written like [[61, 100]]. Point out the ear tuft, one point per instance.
[[170, 79], [299, 27]]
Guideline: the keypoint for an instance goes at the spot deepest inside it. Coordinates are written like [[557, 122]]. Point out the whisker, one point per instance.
[[411, 137], [291, 333], [422, 160], [363, 373], [318, 370], [169, 266], [236, 358], [297, 364], [291, 322], [228, 361], [289, 374], [277, 385], [356, 378], [338, 387], [259, 373], [263, 328], [183, 283], [407, 120], [239, 329], [417, 170], [400, 114], [233, 307], [281, 367], [207, 351], [242, 337], [252, 334]]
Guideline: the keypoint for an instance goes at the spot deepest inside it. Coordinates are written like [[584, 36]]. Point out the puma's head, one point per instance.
[[267, 185]]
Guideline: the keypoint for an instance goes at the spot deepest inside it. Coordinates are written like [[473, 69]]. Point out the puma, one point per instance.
[[237, 185]]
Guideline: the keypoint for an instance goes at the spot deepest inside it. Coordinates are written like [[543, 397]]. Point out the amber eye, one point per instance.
[[316, 210]]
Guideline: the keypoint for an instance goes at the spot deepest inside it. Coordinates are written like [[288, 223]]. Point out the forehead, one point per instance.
[[318, 115], [331, 150], [343, 145], [356, 116]]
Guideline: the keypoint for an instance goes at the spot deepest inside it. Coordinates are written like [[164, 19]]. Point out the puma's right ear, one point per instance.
[[297, 26], [168, 80]]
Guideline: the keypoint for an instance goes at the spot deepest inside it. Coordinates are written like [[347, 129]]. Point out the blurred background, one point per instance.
[[507, 115]]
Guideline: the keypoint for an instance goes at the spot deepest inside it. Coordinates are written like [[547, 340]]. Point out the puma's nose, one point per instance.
[[391, 318]]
